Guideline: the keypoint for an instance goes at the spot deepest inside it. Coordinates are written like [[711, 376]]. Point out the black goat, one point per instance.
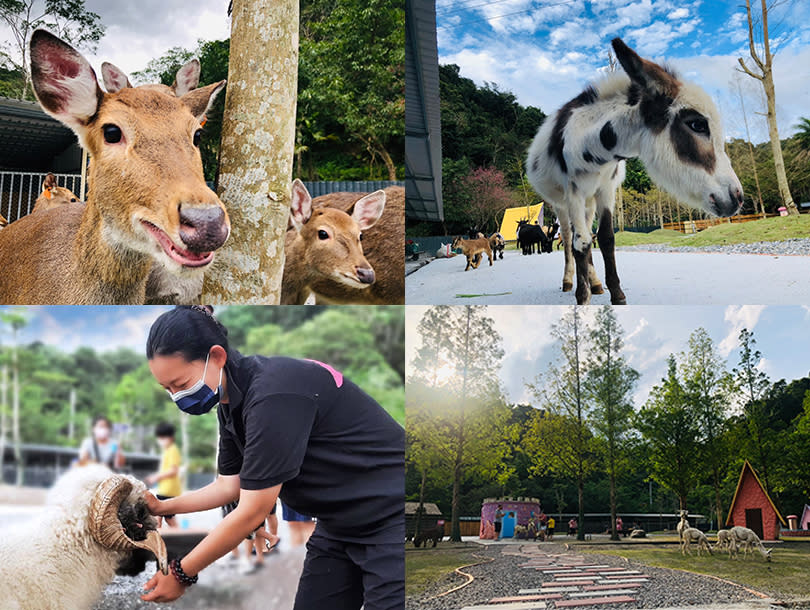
[[531, 236], [435, 534]]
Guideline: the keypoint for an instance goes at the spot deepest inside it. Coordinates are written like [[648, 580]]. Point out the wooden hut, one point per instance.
[[753, 508]]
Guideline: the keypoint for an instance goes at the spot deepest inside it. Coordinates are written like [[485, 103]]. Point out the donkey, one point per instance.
[[148, 202], [576, 161]]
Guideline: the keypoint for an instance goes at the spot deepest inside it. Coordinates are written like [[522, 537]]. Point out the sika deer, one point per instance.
[[383, 247], [147, 203], [53, 195], [325, 245]]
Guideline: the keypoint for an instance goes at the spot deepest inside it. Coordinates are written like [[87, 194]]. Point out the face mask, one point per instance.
[[102, 433], [199, 398]]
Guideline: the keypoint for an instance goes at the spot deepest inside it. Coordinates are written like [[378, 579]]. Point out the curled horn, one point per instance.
[[107, 530]]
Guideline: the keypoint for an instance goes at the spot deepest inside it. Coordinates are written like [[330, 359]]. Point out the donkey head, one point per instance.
[[682, 138], [146, 178]]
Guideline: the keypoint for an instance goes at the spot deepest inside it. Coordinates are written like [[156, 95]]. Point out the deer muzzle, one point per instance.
[[203, 229]]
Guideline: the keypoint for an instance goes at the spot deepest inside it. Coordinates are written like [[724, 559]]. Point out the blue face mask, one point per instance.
[[199, 398]]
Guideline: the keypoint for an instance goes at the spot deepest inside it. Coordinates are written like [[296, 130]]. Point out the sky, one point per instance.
[[105, 329], [137, 32], [547, 51], [652, 333]]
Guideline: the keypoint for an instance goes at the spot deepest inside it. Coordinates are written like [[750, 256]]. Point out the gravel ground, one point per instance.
[[221, 587], [503, 577], [796, 247]]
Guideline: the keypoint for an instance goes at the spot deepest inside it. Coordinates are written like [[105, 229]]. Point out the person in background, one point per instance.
[[301, 526], [258, 542], [499, 521], [572, 526], [550, 528], [100, 446], [619, 525], [168, 477]]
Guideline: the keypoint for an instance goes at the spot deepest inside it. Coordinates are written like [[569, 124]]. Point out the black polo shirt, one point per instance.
[[338, 454]]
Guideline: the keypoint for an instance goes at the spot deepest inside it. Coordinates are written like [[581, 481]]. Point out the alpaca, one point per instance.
[[748, 540], [727, 541], [576, 161], [692, 535]]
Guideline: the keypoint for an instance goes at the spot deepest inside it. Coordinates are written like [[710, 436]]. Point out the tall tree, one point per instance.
[[68, 19], [258, 141], [754, 384], [561, 388], [434, 331], [764, 75], [803, 133], [706, 384], [669, 429], [608, 385]]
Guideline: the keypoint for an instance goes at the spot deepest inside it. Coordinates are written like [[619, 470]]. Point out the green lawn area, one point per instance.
[[425, 566], [769, 229], [785, 577]]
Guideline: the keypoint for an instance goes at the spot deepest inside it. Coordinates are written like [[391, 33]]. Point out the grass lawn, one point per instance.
[[785, 577], [425, 566], [770, 229]]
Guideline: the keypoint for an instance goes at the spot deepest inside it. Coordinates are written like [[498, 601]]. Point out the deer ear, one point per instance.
[[114, 78], [300, 205], [199, 101], [64, 83], [187, 78], [367, 211], [646, 74], [50, 182]]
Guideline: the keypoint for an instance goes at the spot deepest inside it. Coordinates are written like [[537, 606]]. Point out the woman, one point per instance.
[[295, 429], [100, 447]]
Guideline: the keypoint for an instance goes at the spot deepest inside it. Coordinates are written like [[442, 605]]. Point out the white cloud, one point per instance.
[[738, 317], [678, 13]]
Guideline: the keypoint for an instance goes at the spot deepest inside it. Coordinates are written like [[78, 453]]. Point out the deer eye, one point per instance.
[[360, 237], [72, 199], [197, 136], [112, 134], [698, 125], [322, 234]]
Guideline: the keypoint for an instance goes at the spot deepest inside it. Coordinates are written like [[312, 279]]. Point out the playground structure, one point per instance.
[[517, 511]]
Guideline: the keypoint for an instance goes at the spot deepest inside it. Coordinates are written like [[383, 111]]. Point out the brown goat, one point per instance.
[[472, 247]]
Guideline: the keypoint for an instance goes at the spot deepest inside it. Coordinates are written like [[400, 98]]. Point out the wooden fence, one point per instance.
[[693, 226]]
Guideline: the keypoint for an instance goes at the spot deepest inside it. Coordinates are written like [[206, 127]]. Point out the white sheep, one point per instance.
[[64, 557], [747, 539], [692, 535]]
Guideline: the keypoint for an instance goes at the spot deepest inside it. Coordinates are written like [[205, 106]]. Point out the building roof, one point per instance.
[[430, 508], [748, 474], [29, 138], [423, 141]]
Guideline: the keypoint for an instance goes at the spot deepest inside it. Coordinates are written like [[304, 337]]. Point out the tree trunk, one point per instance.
[[15, 416], [421, 508], [3, 411], [257, 152], [389, 163], [458, 469]]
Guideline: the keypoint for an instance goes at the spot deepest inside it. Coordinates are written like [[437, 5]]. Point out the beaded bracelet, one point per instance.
[[183, 578]]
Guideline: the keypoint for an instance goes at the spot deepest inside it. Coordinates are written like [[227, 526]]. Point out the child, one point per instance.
[[168, 478]]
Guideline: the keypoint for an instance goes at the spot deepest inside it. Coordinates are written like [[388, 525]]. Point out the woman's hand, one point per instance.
[[165, 588], [153, 505]]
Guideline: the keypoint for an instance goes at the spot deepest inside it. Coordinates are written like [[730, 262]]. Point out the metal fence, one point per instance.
[[19, 191], [316, 189]]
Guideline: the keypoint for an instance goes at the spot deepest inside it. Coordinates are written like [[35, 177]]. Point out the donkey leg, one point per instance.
[[596, 283], [581, 247], [607, 242]]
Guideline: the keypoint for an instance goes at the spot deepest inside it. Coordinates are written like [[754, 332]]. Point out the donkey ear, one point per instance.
[[64, 83], [114, 78], [187, 78], [199, 101], [300, 205], [648, 75], [367, 211]]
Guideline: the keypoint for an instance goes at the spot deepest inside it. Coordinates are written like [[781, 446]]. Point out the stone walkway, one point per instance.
[[575, 582]]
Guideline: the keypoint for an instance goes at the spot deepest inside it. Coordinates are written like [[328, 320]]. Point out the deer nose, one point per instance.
[[365, 274], [203, 229]]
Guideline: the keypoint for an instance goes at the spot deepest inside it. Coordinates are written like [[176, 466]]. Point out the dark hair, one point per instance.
[[188, 330], [103, 418], [164, 429]]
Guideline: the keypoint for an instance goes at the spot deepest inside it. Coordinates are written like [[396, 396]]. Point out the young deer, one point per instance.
[[53, 195], [383, 247], [148, 202], [324, 245]]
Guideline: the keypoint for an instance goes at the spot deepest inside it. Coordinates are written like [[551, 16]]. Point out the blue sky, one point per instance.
[[546, 51], [104, 329], [652, 333]]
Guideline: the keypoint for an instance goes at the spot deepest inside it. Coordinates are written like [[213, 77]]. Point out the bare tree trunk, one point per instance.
[[765, 76], [421, 508], [3, 411], [258, 148]]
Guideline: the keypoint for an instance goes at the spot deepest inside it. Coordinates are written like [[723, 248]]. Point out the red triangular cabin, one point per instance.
[[753, 508]]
